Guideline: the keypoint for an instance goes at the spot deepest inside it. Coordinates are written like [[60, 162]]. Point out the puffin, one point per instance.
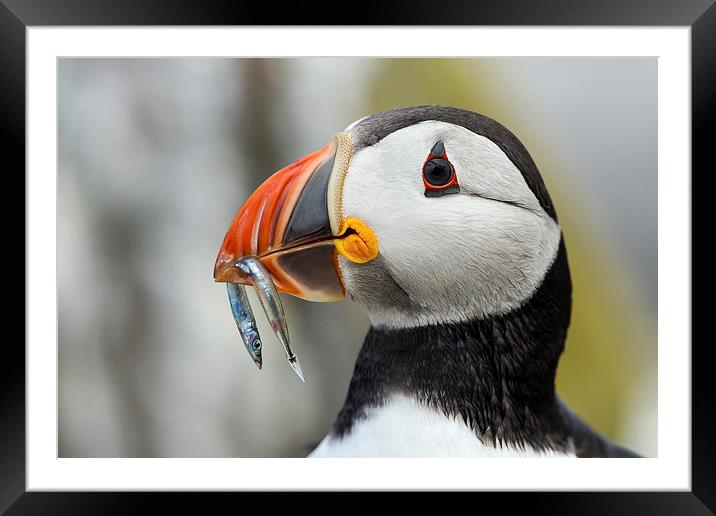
[[437, 222]]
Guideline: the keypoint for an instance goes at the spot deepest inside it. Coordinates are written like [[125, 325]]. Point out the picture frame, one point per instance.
[[17, 15]]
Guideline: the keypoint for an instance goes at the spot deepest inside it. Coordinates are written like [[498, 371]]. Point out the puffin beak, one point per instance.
[[290, 224], [287, 238]]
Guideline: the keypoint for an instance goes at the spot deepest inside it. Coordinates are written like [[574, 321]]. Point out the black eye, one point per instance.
[[439, 175], [437, 172]]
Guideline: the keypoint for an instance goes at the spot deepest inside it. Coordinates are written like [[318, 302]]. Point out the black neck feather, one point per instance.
[[496, 374]]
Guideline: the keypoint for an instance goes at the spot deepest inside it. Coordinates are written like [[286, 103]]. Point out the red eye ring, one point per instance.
[[439, 175]]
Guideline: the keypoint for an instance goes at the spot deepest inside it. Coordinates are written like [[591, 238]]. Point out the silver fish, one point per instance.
[[245, 321], [271, 303]]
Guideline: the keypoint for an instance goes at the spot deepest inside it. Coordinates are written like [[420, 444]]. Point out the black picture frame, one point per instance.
[[17, 15]]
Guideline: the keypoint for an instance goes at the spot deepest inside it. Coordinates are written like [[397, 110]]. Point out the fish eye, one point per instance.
[[439, 175]]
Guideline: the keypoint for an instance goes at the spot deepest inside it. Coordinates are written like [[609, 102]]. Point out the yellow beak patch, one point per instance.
[[356, 241]]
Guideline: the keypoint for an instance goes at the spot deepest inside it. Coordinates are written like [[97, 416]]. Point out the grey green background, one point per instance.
[[156, 156]]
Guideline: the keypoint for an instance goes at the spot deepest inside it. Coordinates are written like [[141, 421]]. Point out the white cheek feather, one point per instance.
[[458, 256], [404, 428]]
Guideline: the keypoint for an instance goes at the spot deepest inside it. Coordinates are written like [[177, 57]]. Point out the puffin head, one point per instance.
[[423, 215]]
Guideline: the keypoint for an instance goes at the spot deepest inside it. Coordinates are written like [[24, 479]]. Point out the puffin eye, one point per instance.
[[438, 173]]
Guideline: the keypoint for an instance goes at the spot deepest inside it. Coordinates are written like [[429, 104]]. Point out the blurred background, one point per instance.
[[157, 155]]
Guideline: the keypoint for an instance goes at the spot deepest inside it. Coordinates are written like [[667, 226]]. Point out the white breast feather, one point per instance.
[[405, 428]]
